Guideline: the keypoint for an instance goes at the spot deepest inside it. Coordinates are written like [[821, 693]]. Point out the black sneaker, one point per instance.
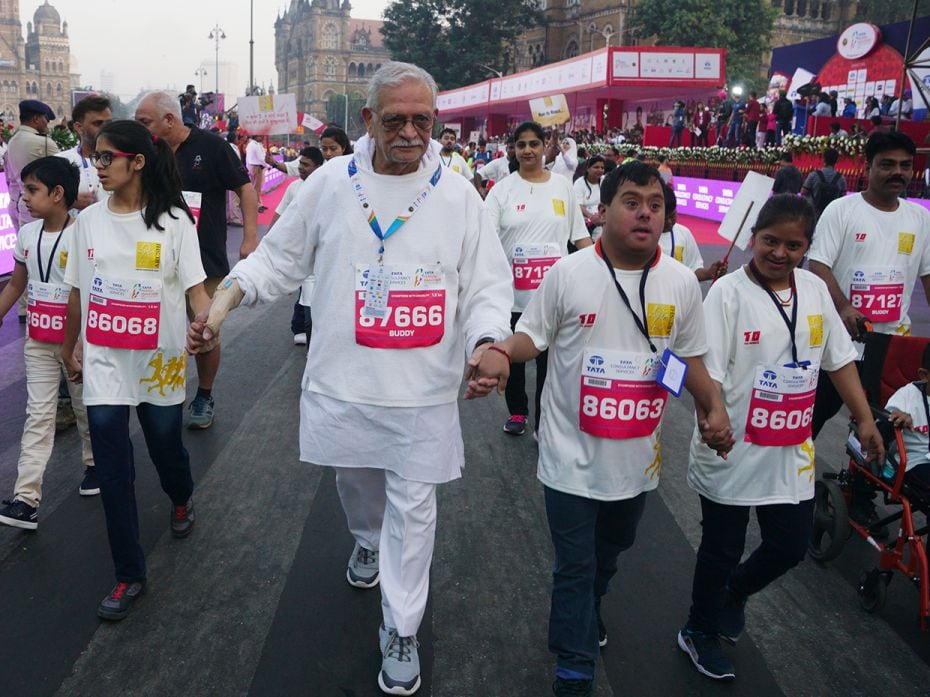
[[731, 620], [89, 485], [119, 602], [572, 688], [182, 519], [516, 425], [706, 654], [19, 514], [601, 628]]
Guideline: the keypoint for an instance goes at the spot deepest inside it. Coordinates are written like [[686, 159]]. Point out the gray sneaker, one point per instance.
[[201, 412], [363, 568], [400, 665]]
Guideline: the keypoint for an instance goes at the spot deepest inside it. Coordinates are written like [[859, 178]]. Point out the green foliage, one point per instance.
[[63, 138], [743, 27], [451, 38], [890, 11]]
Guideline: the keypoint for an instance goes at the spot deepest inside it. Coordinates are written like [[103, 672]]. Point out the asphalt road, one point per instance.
[[255, 602]]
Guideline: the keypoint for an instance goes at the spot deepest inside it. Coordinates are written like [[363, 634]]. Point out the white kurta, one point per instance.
[[384, 407]]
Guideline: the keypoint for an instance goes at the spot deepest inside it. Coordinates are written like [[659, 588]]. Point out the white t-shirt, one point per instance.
[[577, 307], [27, 251], [118, 247], [588, 196], [293, 167], [910, 400], [535, 213], [289, 195], [853, 236], [457, 164], [686, 248], [496, 169], [89, 181], [254, 154], [748, 333]]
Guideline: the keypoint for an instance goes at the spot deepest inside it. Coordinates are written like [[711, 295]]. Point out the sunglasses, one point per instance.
[[104, 158]]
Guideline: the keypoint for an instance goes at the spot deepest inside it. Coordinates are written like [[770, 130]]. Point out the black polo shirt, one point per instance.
[[208, 165]]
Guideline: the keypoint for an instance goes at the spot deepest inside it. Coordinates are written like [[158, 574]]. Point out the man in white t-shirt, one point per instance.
[[450, 158], [871, 248], [498, 168], [89, 116], [606, 315], [383, 416], [255, 163]]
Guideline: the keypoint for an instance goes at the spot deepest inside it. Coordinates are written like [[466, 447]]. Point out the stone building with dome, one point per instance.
[[37, 67], [322, 52], [579, 26]]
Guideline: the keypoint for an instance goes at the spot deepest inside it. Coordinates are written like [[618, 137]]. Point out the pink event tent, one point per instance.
[[618, 78]]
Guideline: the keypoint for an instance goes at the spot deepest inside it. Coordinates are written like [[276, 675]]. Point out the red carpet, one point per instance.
[[705, 231], [271, 199]]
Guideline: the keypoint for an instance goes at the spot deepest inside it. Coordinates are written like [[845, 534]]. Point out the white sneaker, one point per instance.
[[300, 339], [362, 571], [400, 665]]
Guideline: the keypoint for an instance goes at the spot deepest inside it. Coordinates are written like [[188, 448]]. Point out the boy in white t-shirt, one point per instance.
[[50, 187], [607, 314], [910, 410], [678, 242]]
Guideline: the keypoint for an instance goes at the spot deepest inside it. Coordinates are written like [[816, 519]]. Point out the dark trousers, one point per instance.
[[675, 140], [786, 529], [116, 472], [827, 403], [515, 391], [301, 321], [702, 139], [587, 536]]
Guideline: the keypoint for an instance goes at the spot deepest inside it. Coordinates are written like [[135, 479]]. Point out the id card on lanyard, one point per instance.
[[375, 298], [47, 305]]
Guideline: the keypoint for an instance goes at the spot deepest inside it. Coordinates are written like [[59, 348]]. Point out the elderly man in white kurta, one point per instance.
[[404, 293]]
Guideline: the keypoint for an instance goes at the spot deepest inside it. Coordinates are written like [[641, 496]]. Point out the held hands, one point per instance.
[[486, 370], [716, 431], [74, 364], [200, 337], [900, 419]]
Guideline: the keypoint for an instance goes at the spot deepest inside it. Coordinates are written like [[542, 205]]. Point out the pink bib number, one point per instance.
[[781, 406], [878, 294], [416, 309], [194, 200], [47, 310], [123, 314], [531, 262], [620, 397]]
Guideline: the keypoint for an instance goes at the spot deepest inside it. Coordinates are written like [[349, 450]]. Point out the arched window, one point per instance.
[[58, 90], [6, 86], [825, 11], [378, 67], [330, 36], [47, 69], [14, 88], [353, 70], [361, 70], [371, 68], [329, 68], [802, 8], [571, 49], [789, 7], [61, 67], [48, 88]]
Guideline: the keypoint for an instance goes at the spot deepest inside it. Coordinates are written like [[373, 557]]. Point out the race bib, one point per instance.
[[123, 313], [193, 199], [415, 313], [878, 293], [620, 397], [781, 406], [46, 311], [531, 262]]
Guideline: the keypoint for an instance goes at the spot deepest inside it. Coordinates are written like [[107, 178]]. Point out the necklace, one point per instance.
[[786, 302]]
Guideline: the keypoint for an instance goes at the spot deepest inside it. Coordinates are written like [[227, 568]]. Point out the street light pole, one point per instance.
[[252, 49], [487, 123], [201, 72], [216, 34]]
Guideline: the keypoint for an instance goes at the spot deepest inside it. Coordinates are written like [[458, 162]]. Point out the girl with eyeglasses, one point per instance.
[[134, 257]]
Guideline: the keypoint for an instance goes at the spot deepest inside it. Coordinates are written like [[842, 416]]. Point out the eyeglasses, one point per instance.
[[105, 157], [392, 123]]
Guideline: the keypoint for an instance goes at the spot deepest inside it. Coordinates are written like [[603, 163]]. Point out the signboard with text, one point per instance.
[[268, 114]]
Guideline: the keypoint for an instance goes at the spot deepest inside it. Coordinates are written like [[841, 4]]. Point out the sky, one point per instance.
[[155, 45]]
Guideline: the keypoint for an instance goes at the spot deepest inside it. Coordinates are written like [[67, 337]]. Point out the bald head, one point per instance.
[[160, 112]]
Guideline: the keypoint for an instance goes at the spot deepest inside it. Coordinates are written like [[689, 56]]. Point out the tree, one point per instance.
[[743, 27], [890, 11], [451, 38], [336, 113]]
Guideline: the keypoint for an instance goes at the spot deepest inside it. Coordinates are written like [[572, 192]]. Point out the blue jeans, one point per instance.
[[588, 536], [116, 472], [785, 528]]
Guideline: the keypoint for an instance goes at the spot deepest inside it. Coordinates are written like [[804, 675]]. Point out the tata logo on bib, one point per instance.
[[98, 283], [518, 251], [768, 379], [858, 276], [596, 365]]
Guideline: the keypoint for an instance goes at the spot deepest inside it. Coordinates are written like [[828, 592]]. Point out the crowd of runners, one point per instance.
[[576, 263]]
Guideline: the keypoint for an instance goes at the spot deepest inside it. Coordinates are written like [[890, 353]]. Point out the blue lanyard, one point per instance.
[[81, 155], [399, 220], [672, 233]]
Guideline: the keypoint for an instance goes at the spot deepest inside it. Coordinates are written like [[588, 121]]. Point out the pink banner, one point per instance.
[[7, 233]]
